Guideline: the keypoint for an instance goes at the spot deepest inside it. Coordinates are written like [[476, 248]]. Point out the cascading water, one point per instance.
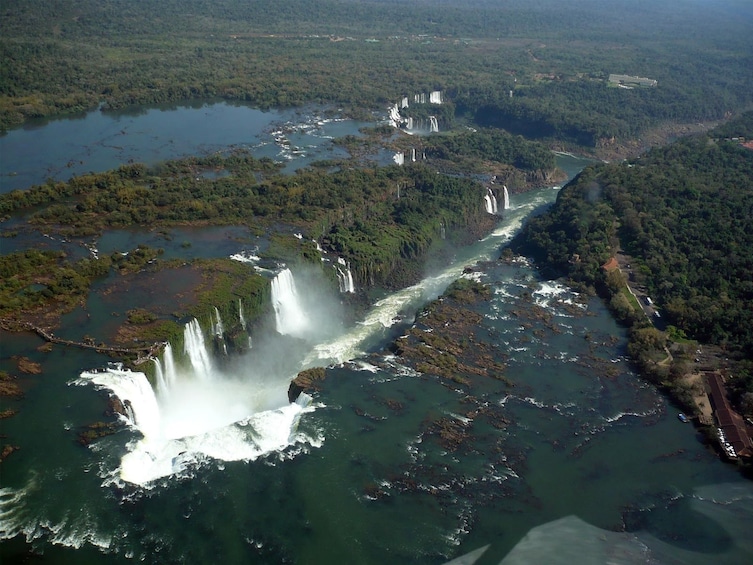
[[507, 198], [413, 154], [490, 202], [399, 158], [217, 327], [435, 97], [241, 317], [344, 277], [194, 348], [434, 125], [290, 316], [199, 412]]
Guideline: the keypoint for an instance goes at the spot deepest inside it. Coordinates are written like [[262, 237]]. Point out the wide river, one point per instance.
[[573, 460]]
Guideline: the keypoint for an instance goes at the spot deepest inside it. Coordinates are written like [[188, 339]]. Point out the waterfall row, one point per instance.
[[290, 317], [398, 121], [400, 157]]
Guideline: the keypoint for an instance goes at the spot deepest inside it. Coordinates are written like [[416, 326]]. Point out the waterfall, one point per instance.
[[159, 376], [404, 103], [165, 370], [169, 365], [217, 328], [435, 97], [289, 314], [490, 202], [399, 158], [442, 230], [395, 118], [507, 198], [241, 318], [193, 346], [409, 123], [434, 126], [413, 154], [345, 277]]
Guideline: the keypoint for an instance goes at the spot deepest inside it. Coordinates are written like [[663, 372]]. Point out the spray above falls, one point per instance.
[[204, 405]]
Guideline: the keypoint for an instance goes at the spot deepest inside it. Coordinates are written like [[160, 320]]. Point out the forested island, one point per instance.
[[504, 368]]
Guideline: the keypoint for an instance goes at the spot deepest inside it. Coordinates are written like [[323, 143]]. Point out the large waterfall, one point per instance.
[[200, 411], [289, 314]]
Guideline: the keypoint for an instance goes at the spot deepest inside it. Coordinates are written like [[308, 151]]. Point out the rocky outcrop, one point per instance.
[[306, 381]]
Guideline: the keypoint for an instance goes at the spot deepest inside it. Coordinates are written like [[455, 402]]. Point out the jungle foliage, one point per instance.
[[555, 57], [685, 214]]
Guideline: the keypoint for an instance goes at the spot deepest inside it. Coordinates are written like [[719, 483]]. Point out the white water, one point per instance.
[[344, 277], [434, 126], [217, 328], [200, 414], [290, 317], [241, 317], [507, 198], [194, 348], [386, 312], [490, 202], [399, 158]]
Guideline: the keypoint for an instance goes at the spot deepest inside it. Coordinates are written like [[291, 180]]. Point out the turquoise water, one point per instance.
[[577, 460]]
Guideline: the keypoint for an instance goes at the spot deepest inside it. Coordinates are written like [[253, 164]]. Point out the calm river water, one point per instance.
[[590, 466]]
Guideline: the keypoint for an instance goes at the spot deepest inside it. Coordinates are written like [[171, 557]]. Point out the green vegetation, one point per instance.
[[684, 214], [75, 54], [490, 145], [32, 279]]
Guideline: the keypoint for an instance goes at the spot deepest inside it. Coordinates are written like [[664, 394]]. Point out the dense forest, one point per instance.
[[684, 213], [554, 58]]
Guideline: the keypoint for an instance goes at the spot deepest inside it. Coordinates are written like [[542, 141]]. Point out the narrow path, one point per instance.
[[144, 353]]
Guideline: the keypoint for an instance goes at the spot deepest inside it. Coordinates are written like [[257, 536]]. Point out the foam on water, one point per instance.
[[223, 420]]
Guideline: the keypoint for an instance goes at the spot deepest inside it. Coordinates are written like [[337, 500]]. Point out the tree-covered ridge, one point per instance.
[[685, 213], [73, 55]]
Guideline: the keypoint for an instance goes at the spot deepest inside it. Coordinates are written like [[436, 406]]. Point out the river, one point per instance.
[[573, 459]]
